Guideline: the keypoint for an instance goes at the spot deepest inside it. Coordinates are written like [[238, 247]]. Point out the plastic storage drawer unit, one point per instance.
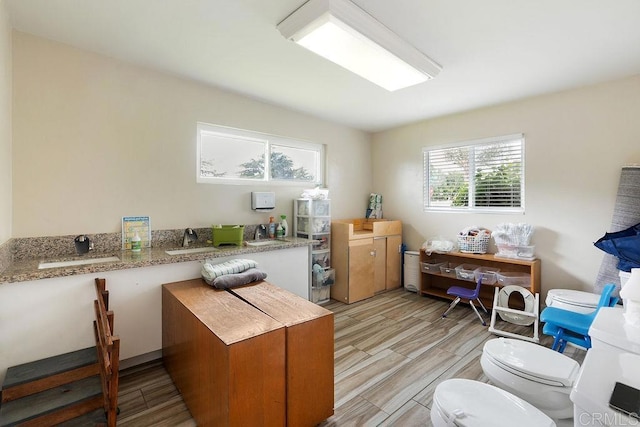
[[448, 269], [467, 272], [489, 276], [432, 266], [514, 278]]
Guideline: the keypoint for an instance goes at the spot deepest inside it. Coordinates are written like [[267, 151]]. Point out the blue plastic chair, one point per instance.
[[571, 327], [470, 294]]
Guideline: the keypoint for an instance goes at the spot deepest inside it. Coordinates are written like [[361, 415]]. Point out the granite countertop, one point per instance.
[[27, 269]]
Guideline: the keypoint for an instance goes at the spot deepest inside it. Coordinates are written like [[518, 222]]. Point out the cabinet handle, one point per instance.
[[373, 253]]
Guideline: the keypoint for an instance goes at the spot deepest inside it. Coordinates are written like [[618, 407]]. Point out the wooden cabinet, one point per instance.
[[309, 351], [379, 264], [353, 263], [388, 263], [366, 258], [226, 357], [256, 355], [436, 283]]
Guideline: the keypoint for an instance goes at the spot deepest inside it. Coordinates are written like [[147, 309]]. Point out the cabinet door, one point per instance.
[[361, 257], [394, 262], [380, 264]]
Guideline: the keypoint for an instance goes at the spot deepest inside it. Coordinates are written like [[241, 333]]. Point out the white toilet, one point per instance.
[[537, 374], [468, 403], [578, 301], [601, 369], [610, 330], [544, 384], [614, 356], [572, 300]]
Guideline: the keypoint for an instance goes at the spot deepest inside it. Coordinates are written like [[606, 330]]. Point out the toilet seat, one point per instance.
[[529, 304], [469, 403], [532, 361], [579, 301]]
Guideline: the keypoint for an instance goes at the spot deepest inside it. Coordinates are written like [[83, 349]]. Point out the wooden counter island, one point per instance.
[[254, 355]]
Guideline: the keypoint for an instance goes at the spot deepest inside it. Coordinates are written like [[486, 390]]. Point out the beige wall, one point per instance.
[[95, 139], [5, 124], [576, 143]]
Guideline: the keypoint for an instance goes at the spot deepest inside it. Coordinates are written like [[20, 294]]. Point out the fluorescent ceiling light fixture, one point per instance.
[[341, 32]]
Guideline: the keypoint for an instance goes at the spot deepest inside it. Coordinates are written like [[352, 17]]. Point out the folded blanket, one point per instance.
[[232, 280], [211, 271]]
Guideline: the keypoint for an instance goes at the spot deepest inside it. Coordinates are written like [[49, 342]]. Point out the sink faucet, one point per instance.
[[189, 236], [83, 244], [258, 234]]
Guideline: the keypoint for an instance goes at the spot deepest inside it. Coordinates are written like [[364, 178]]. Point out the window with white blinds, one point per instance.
[[483, 175]]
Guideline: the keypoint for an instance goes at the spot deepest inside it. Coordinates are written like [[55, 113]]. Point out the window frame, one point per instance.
[[269, 142], [473, 145]]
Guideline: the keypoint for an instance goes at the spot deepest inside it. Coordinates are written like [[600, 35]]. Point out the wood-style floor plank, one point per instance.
[[391, 351]]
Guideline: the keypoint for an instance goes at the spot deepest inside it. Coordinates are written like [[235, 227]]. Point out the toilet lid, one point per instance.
[[477, 404], [573, 297], [532, 361]]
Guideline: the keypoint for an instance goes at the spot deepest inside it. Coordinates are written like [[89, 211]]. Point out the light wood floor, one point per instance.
[[390, 353]]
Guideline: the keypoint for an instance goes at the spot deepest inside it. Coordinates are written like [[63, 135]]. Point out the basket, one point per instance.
[[227, 235], [474, 244]]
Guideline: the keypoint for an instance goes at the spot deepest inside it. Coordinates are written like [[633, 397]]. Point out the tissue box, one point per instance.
[[227, 235]]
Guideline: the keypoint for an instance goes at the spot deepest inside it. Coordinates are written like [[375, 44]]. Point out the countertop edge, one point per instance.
[[27, 270]]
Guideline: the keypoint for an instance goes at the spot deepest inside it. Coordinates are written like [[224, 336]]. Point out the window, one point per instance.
[[484, 175], [235, 156]]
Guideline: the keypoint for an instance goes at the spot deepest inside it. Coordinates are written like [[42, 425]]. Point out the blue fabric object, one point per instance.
[[568, 326], [625, 245]]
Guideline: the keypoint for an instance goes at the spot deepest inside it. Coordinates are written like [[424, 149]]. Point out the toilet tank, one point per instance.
[[592, 391], [610, 330]]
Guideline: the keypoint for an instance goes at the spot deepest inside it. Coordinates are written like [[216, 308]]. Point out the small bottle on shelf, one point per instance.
[[272, 228], [136, 243], [285, 226]]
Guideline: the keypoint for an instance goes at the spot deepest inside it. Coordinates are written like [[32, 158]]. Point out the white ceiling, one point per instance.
[[491, 51]]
